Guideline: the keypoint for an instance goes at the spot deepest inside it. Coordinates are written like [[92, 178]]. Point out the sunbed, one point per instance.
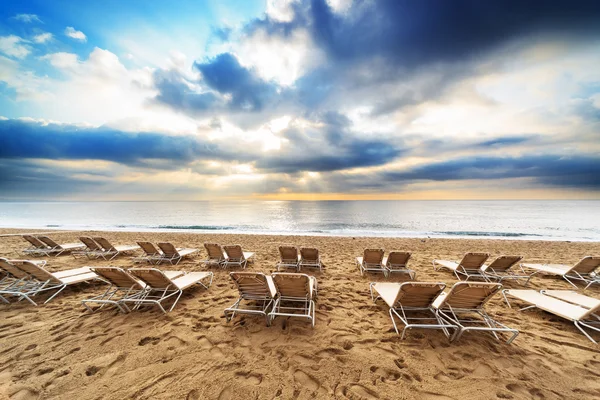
[[310, 258], [296, 296], [582, 310], [36, 248], [411, 303], [469, 267], [91, 250], [257, 294], [584, 270], [216, 255], [58, 249], [371, 261], [13, 276], [397, 261], [161, 288], [123, 285], [172, 254], [505, 268], [289, 257], [236, 256], [463, 306], [43, 281], [111, 251], [151, 253]]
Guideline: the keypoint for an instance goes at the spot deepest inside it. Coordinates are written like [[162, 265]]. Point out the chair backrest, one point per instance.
[[154, 277], [169, 250], [49, 242], [35, 242], [251, 284], [215, 251], [474, 260], [118, 277], [398, 258], [504, 263], [149, 248], [234, 252], [418, 294], [309, 254], [36, 271], [105, 244], [9, 267], [90, 243], [288, 253], [471, 295], [292, 285], [373, 256], [587, 265]]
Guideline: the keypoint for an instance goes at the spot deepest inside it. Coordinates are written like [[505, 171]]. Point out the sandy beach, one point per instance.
[[59, 350]]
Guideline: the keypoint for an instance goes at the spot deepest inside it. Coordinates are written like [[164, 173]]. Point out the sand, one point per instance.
[[59, 350]]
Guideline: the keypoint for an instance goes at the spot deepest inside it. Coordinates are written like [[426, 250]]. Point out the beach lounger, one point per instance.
[[216, 255], [161, 288], [463, 306], [91, 250], [36, 248], [310, 258], [58, 249], [43, 281], [112, 251], [582, 310], [172, 254], [123, 286], [257, 294], [12, 276], [151, 253], [584, 270], [371, 261], [289, 258], [397, 261], [469, 267], [236, 256], [296, 296], [505, 268], [411, 303]]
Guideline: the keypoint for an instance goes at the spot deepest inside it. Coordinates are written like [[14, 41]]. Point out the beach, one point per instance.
[[59, 350]]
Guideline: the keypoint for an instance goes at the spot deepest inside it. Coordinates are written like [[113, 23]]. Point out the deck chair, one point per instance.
[[172, 254], [58, 249], [43, 281], [372, 261], [151, 253], [112, 251], [123, 285], [584, 270], [410, 302], [397, 261], [36, 248], [582, 310], [310, 258], [257, 294], [216, 255], [236, 256], [289, 258], [161, 288], [469, 267], [91, 250], [463, 306], [505, 268], [296, 296], [13, 276]]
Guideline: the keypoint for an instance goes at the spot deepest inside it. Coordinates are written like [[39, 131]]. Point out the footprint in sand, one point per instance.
[[358, 391], [306, 381]]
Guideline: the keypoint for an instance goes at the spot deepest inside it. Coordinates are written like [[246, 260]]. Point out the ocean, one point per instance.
[[537, 220]]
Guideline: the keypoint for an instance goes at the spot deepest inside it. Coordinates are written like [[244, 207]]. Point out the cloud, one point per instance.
[[42, 37], [75, 34], [62, 60], [27, 18], [14, 46]]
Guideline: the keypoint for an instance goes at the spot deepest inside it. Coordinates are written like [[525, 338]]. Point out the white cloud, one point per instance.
[[26, 84], [27, 18], [281, 10], [339, 6], [62, 60], [13, 46], [75, 34], [42, 37]]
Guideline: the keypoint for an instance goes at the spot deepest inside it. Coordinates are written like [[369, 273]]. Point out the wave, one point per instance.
[[499, 234], [198, 227]]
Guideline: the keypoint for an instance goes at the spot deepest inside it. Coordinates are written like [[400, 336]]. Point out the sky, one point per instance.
[[299, 100]]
